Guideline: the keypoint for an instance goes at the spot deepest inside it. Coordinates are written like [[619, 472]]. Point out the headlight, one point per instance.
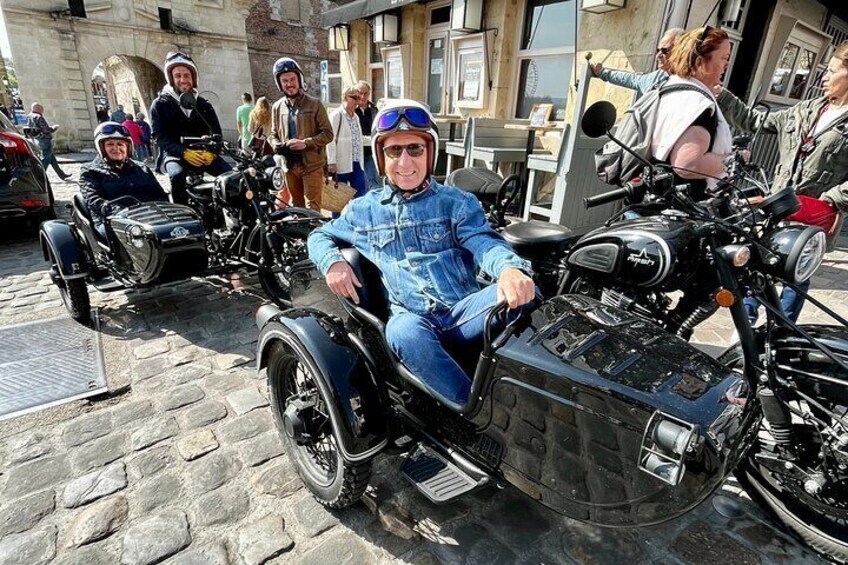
[[797, 250], [277, 179]]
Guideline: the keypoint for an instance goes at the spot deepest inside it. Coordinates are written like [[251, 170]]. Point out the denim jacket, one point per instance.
[[426, 246]]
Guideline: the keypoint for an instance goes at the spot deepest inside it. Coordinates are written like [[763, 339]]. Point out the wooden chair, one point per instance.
[[459, 148], [539, 164]]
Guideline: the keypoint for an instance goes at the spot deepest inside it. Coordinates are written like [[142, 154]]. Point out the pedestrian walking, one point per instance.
[[345, 152], [118, 115], [259, 127], [146, 137], [135, 133], [43, 132]]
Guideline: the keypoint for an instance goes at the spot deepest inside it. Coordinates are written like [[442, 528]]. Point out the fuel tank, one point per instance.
[[159, 242], [657, 251], [606, 418]]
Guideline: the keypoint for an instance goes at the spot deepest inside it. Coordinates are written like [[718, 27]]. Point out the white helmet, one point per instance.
[[112, 130], [404, 116], [175, 59]]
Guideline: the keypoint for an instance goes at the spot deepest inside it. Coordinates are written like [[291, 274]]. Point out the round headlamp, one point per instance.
[[798, 251], [277, 179]]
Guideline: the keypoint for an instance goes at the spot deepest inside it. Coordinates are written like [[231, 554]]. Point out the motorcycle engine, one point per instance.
[[619, 299], [231, 220]]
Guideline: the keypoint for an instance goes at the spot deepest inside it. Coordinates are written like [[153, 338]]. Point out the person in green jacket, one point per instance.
[[813, 145]]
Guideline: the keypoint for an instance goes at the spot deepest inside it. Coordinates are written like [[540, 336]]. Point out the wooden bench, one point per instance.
[[459, 148], [543, 163], [494, 145]]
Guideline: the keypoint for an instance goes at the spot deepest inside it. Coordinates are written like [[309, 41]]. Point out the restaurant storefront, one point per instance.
[[505, 58]]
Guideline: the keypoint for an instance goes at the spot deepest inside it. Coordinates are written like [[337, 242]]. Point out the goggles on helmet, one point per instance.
[[416, 117], [109, 129], [286, 67], [176, 55]]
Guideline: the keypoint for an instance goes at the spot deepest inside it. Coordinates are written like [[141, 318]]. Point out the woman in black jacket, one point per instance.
[[113, 174]]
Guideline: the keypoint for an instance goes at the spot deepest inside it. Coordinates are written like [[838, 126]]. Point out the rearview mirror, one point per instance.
[[598, 119], [188, 100]]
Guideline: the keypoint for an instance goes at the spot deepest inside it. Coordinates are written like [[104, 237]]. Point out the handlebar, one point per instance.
[[205, 139], [606, 197]]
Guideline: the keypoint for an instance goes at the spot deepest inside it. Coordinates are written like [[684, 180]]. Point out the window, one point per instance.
[[438, 84], [795, 70], [165, 21], [394, 73], [545, 56], [472, 79], [334, 83]]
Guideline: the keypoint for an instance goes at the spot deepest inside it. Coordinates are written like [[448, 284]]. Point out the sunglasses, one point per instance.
[[696, 51], [109, 129], [663, 50], [354, 96], [413, 150], [416, 117]]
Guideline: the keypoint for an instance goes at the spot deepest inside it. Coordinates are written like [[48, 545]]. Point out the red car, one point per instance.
[[25, 193]]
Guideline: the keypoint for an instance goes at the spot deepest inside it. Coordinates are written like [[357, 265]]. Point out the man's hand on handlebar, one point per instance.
[[342, 281], [515, 287], [198, 158]]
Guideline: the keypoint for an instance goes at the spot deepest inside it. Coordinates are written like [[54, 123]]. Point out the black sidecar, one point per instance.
[[592, 411], [146, 243]]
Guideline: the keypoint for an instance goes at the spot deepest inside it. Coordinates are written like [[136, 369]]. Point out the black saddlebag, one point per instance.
[[159, 242]]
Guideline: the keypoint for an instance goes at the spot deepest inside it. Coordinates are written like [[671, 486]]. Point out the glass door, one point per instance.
[[437, 72]]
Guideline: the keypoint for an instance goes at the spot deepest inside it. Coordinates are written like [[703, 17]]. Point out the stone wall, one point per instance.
[[286, 28], [57, 54]]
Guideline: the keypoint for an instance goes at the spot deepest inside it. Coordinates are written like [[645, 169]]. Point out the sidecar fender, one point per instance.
[[58, 236], [321, 342]]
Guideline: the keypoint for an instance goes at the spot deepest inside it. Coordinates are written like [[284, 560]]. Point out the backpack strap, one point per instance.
[[683, 86]]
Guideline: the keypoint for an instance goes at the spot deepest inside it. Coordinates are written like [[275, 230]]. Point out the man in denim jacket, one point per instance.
[[426, 239]]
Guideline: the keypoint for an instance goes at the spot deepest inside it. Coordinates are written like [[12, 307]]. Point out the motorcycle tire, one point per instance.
[[819, 528], [333, 482], [74, 294], [275, 285]]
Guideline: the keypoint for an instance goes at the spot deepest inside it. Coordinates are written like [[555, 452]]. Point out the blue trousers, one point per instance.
[[356, 178], [49, 158], [791, 301], [371, 175], [424, 343]]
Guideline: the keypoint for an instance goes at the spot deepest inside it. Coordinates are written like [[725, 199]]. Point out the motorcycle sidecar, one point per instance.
[[592, 411], [146, 244]]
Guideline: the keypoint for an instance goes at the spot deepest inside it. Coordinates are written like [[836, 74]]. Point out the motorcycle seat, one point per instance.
[[536, 232], [88, 229]]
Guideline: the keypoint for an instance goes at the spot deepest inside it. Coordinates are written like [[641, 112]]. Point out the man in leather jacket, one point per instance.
[[300, 129], [171, 122], [427, 239], [113, 174]]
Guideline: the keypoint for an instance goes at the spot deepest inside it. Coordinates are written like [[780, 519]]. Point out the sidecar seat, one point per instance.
[[373, 309], [89, 232]]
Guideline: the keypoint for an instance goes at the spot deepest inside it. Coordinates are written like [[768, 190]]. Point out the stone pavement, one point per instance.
[[182, 462]]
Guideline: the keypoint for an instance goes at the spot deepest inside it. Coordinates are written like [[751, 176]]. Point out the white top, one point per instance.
[[678, 111], [342, 151], [828, 117]]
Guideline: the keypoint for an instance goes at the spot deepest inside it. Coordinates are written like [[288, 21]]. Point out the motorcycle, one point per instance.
[[590, 407], [231, 223]]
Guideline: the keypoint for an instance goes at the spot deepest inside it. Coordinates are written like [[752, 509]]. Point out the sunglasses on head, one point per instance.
[[416, 117], [109, 129], [412, 149], [696, 50]]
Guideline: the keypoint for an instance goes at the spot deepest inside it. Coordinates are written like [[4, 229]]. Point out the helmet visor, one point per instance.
[[416, 117], [286, 67]]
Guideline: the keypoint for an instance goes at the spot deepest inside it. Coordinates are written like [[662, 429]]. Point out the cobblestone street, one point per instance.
[[182, 462]]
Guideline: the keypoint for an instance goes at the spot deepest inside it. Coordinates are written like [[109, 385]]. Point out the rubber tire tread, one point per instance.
[[818, 540], [80, 304], [351, 478]]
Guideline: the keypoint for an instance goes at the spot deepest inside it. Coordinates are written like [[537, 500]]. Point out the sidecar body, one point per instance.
[[145, 244], [592, 411]]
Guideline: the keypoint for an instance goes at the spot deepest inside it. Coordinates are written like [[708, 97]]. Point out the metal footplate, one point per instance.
[[439, 479]]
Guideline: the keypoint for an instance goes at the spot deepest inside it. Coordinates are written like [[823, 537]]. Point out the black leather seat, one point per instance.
[[535, 232], [88, 229]]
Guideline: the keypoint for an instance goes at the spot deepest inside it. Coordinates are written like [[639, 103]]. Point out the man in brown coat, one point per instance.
[[300, 129]]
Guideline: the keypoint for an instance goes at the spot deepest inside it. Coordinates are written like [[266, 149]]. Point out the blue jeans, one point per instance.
[[790, 301], [356, 178], [371, 175], [49, 158], [422, 342], [176, 170], [141, 152]]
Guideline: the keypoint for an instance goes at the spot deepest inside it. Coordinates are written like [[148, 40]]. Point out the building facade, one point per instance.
[[57, 52]]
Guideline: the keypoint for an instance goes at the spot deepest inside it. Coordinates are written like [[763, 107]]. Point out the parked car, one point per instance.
[[25, 193]]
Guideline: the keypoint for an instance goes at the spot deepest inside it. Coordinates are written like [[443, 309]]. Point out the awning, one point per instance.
[[359, 9]]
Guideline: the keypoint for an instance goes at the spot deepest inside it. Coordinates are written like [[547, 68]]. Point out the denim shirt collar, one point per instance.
[[388, 188]]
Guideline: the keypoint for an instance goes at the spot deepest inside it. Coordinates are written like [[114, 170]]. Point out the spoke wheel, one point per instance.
[[298, 404]]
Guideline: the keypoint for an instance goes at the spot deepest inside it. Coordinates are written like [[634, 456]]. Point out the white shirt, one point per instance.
[[828, 117]]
